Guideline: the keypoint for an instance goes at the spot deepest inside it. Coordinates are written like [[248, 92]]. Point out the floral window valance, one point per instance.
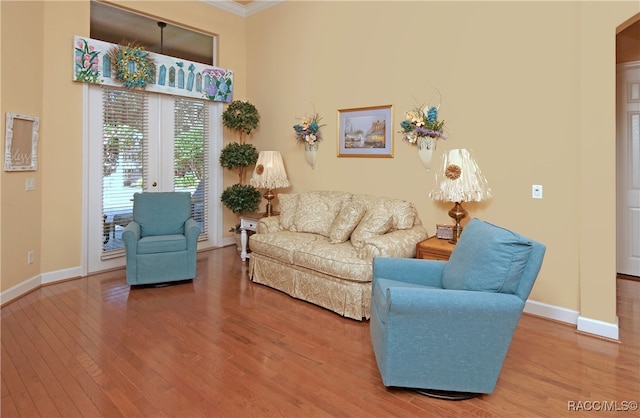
[[131, 66]]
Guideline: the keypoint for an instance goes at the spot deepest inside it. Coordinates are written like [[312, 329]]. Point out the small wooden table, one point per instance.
[[434, 249]]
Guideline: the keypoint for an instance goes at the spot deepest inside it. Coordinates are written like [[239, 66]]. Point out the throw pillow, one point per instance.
[[487, 258], [288, 206], [316, 211], [346, 221], [376, 221]]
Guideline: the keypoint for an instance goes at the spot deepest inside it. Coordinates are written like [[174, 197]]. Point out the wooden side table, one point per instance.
[[434, 249]]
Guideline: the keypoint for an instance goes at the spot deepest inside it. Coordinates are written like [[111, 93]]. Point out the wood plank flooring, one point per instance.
[[221, 346]]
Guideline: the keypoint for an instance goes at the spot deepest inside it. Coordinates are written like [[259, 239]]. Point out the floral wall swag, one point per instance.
[[131, 66], [308, 130]]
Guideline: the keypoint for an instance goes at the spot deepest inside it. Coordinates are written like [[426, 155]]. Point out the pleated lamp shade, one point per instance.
[[460, 179]]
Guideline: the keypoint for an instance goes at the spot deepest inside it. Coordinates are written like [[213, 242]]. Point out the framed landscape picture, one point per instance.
[[365, 132]]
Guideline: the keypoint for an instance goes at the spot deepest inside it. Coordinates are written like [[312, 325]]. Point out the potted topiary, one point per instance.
[[242, 118]]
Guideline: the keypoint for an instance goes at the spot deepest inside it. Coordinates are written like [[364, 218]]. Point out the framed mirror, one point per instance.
[[21, 144]]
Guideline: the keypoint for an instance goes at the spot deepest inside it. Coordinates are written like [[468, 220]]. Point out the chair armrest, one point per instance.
[[269, 225], [192, 232], [444, 322], [401, 243], [409, 270], [191, 228], [131, 235], [464, 305]]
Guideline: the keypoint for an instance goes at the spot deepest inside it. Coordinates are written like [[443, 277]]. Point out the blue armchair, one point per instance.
[[444, 328], [161, 241]]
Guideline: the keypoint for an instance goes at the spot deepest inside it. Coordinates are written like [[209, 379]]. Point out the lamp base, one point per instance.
[[269, 195], [457, 213]]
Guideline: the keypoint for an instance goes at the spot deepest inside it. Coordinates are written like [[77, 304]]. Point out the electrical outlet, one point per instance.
[[536, 191], [30, 184], [31, 256]]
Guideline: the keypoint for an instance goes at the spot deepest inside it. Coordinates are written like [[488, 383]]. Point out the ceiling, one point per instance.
[[119, 26]]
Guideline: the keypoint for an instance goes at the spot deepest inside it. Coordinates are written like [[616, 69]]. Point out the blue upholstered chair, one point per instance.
[[444, 328], [161, 241]]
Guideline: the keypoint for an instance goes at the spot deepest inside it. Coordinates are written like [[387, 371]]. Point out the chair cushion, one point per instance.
[[162, 244], [346, 221], [161, 213], [487, 258]]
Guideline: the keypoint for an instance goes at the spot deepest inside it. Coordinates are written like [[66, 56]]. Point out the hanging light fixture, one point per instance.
[[162, 25]]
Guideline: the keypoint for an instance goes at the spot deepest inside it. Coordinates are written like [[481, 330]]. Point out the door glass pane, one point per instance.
[[125, 122]]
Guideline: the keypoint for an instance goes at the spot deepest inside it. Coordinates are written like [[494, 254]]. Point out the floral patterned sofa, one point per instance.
[[321, 246]]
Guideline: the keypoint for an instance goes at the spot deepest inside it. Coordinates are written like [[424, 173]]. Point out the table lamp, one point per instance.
[[269, 174], [459, 180]]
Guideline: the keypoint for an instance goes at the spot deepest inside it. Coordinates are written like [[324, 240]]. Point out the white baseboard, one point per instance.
[[603, 329], [20, 289], [569, 316], [556, 313], [65, 274], [37, 281]]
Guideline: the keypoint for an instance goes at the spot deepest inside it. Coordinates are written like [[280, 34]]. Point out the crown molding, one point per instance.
[[236, 8]]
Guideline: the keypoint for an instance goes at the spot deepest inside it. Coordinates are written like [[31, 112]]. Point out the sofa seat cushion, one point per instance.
[[162, 244], [487, 258], [282, 245], [339, 260]]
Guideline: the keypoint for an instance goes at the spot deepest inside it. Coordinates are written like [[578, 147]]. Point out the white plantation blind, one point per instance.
[[125, 149], [191, 145]]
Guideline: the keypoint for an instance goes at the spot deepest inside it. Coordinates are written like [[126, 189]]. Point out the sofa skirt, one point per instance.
[[348, 298]]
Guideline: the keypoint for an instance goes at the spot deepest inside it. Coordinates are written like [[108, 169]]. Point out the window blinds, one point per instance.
[[191, 130], [125, 150]]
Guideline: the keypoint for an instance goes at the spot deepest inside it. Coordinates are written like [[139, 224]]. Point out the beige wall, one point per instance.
[[525, 100], [37, 65], [536, 106], [22, 92]]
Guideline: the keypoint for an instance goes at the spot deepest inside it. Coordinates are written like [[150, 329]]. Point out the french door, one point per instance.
[[146, 142]]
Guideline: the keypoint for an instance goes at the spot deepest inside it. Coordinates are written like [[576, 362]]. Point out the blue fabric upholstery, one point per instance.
[[493, 263], [427, 336], [161, 241]]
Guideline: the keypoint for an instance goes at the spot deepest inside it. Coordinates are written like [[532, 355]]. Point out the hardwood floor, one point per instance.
[[225, 347]]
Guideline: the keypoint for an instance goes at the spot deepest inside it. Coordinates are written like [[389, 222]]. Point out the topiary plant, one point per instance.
[[236, 156], [241, 198], [242, 117]]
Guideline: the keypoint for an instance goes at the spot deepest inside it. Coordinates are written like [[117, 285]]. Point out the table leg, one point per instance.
[[243, 242]]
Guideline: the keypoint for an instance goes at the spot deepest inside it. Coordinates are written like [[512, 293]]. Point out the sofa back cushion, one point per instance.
[[316, 211], [403, 212], [346, 221], [487, 258], [288, 206], [376, 221]]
